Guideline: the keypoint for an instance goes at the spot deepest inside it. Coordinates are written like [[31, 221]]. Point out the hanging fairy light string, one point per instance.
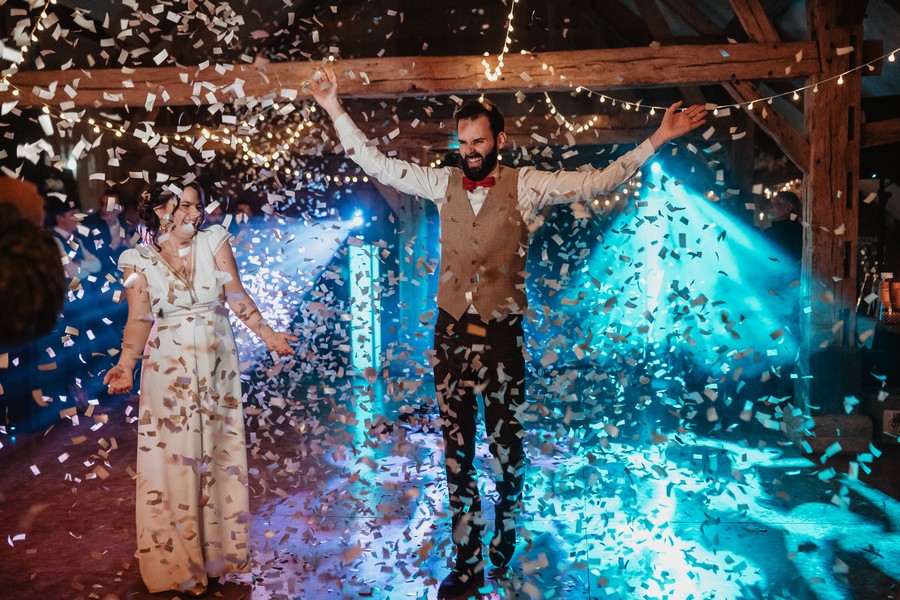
[[280, 162], [651, 109], [494, 74], [17, 57], [241, 143]]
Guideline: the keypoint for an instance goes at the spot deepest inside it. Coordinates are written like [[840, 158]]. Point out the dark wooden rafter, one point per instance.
[[659, 29], [880, 133], [760, 29], [625, 22], [654, 20], [754, 20], [853, 12], [767, 118], [588, 12], [696, 18]]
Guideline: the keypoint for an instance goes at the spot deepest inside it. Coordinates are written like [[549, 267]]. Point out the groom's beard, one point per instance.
[[482, 170]]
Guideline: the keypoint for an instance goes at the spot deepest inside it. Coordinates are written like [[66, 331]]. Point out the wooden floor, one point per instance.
[[348, 506]]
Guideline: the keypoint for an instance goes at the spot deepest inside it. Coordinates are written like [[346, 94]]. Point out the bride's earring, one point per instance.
[[165, 226]]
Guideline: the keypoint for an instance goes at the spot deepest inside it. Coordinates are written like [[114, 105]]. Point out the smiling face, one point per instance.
[[186, 214], [477, 147]]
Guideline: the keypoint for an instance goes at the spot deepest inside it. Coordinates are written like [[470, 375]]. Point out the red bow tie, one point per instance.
[[471, 185]]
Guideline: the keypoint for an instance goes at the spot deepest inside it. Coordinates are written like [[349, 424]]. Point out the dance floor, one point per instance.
[[349, 499], [349, 505]]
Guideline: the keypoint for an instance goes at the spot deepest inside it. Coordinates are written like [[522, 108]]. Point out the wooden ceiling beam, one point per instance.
[[655, 20], [756, 23], [696, 18], [880, 133], [660, 30], [624, 21], [422, 76]]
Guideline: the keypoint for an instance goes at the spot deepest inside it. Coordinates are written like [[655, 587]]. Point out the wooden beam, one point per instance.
[[756, 23], [830, 209], [624, 21], [655, 20], [659, 28], [588, 12], [791, 141], [880, 133], [422, 76], [853, 13], [695, 17]]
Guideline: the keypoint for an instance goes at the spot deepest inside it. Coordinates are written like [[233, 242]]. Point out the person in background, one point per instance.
[[785, 230], [32, 281], [32, 294], [108, 236], [63, 220], [109, 229], [192, 503], [786, 234]]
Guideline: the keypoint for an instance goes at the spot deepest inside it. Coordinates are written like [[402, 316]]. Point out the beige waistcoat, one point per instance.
[[483, 256]]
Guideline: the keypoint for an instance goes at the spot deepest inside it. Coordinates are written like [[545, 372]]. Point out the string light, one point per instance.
[[32, 37], [494, 74], [240, 142], [795, 93]]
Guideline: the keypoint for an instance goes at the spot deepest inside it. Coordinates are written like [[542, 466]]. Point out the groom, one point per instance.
[[486, 211]]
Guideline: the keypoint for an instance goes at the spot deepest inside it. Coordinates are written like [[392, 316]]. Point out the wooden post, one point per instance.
[[828, 282]]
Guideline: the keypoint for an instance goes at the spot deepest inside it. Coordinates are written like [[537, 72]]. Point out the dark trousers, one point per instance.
[[473, 357]]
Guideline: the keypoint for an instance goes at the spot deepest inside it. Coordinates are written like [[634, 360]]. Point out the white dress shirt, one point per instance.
[[536, 189]]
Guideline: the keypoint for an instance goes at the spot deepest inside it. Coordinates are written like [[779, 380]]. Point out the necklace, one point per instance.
[[184, 274]]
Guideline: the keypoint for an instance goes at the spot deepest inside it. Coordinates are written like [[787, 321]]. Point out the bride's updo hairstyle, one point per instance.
[[158, 195]]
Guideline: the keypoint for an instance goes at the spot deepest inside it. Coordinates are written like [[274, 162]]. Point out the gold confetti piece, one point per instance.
[[38, 398]]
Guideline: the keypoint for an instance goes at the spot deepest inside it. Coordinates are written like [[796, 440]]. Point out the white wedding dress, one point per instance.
[[192, 500]]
